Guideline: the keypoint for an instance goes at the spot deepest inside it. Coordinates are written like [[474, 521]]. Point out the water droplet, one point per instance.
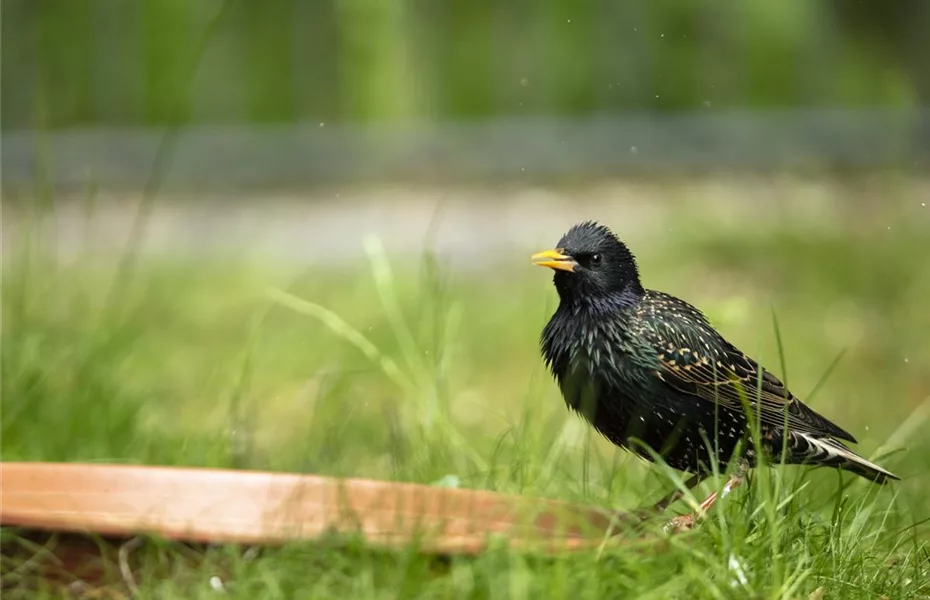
[[657, 95], [634, 150], [662, 35], [322, 124], [924, 204], [907, 360], [568, 20], [524, 82], [866, 427], [706, 104]]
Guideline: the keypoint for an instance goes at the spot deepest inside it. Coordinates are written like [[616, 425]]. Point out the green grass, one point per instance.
[[197, 363]]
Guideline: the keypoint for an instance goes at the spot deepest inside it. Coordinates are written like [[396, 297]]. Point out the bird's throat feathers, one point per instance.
[[574, 296]]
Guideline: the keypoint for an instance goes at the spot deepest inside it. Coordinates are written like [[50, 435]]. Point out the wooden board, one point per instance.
[[251, 507]]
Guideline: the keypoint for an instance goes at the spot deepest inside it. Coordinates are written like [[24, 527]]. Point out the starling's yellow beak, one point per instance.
[[554, 260]]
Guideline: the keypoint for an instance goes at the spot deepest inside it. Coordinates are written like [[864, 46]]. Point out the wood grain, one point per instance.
[[262, 508]]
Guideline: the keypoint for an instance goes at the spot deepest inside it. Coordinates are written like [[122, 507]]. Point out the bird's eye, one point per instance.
[[595, 259]]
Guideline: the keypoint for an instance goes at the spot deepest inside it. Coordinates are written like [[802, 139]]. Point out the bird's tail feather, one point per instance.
[[828, 452]]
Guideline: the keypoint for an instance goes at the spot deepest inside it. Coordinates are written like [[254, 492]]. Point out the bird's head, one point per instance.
[[591, 263]]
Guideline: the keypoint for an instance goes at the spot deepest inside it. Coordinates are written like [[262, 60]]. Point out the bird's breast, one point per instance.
[[595, 365]]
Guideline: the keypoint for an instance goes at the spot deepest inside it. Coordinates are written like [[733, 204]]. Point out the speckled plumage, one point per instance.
[[642, 365]]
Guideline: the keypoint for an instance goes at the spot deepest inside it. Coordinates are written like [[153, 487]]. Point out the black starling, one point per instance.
[[644, 367]]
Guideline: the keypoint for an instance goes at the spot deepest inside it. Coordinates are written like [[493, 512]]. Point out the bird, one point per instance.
[[651, 374]]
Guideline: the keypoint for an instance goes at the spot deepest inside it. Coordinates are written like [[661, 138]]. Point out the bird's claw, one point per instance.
[[680, 524]]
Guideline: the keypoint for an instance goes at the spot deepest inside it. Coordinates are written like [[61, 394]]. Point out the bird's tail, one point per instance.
[[831, 453]]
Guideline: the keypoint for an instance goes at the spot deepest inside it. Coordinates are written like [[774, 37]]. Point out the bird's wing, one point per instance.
[[694, 359]]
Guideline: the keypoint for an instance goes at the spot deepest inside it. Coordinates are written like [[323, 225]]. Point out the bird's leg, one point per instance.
[[667, 500], [677, 493], [686, 522]]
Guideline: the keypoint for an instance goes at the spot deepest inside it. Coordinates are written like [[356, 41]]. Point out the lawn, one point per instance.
[[200, 362]]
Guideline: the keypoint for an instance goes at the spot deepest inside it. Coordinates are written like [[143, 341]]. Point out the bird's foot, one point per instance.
[[677, 493], [680, 524], [687, 522]]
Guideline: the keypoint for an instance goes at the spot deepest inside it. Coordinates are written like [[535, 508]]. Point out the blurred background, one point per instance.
[[290, 93], [392, 165]]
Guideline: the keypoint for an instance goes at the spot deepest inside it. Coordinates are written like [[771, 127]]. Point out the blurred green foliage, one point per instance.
[[77, 62]]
